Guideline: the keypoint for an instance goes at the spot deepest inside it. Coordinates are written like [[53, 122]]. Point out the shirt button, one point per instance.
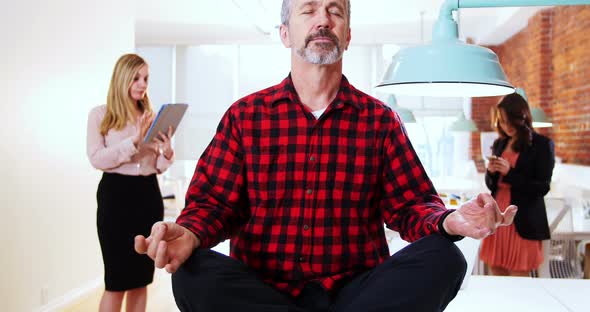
[[312, 158], [301, 259], [309, 191], [306, 227]]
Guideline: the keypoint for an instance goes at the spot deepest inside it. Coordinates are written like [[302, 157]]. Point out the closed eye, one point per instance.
[[336, 12]]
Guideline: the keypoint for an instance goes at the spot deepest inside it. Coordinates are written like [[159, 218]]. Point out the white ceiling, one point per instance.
[[372, 22]]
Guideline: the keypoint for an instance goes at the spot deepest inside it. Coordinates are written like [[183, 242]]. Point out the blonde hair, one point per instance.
[[120, 107]]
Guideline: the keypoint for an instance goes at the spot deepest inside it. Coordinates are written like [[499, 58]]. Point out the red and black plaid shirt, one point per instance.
[[305, 199]]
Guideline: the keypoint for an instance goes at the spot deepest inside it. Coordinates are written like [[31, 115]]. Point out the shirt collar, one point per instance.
[[285, 91]]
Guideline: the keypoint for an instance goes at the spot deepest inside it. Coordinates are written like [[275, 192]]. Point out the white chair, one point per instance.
[[561, 258]]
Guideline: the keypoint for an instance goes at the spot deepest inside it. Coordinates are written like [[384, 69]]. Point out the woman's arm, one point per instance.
[[102, 157], [538, 183], [491, 178]]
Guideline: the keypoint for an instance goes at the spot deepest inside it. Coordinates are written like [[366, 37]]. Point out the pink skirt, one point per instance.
[[506, 248]]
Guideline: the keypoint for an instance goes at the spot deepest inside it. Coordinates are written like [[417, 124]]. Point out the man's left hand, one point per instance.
[[478, 217]]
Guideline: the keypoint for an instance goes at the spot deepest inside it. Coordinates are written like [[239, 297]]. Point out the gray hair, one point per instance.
[[287, 6]]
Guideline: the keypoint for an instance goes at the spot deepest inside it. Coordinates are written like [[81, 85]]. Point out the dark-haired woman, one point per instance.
[[518, 173]]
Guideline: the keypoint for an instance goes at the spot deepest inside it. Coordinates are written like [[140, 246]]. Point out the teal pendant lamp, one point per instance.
[[520, 91], [405, 114], [539, 117], [448, 67], [540, 120], [463, 124]]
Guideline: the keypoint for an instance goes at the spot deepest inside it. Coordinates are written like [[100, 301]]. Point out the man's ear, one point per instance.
[[284, 33], [348, 37]]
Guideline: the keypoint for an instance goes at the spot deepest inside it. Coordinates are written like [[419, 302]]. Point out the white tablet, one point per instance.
[[169, 115]]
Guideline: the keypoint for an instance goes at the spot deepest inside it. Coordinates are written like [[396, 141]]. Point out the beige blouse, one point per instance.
[[115, 151]]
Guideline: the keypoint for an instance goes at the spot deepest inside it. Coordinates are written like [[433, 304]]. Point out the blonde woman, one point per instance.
[[128, 195]]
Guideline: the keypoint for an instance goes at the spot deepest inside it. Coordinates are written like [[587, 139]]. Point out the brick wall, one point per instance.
[[550, 60], [481, 115], [570, 108]]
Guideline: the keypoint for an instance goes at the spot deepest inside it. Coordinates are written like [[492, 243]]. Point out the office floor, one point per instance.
[[160, 297]]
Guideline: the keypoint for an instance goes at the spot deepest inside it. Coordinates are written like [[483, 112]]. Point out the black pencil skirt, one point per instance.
[[127, 206]]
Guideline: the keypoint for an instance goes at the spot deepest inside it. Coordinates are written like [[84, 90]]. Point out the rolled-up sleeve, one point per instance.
[[102, 157], [410, 204], [214, 207]]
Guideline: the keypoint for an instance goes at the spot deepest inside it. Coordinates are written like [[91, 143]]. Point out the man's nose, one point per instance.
[[324, 20]]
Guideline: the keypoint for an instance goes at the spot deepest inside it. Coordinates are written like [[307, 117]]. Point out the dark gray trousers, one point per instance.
[[424, 276]]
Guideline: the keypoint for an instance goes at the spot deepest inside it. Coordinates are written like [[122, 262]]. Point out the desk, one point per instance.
[[502, 293]]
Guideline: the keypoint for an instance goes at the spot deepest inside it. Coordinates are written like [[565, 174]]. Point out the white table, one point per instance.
[[500, 293]]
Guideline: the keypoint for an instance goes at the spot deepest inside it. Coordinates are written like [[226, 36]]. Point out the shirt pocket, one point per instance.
[[356, 170], [268, 176]]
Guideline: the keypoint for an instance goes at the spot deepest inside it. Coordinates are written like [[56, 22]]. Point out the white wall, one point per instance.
[[361, 66], [162, 70], [56, 61], [205, 78], [261, 66]]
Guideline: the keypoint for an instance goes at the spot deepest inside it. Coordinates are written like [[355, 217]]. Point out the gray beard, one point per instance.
[[324, 57]]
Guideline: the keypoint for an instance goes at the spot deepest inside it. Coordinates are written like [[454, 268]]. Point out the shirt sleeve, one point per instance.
[[410, 204], [102, 157], [215, 206], [491, 179], [162, 163]]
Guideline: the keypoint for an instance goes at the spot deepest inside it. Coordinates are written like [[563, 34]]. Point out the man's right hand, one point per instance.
[[169, 245]]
